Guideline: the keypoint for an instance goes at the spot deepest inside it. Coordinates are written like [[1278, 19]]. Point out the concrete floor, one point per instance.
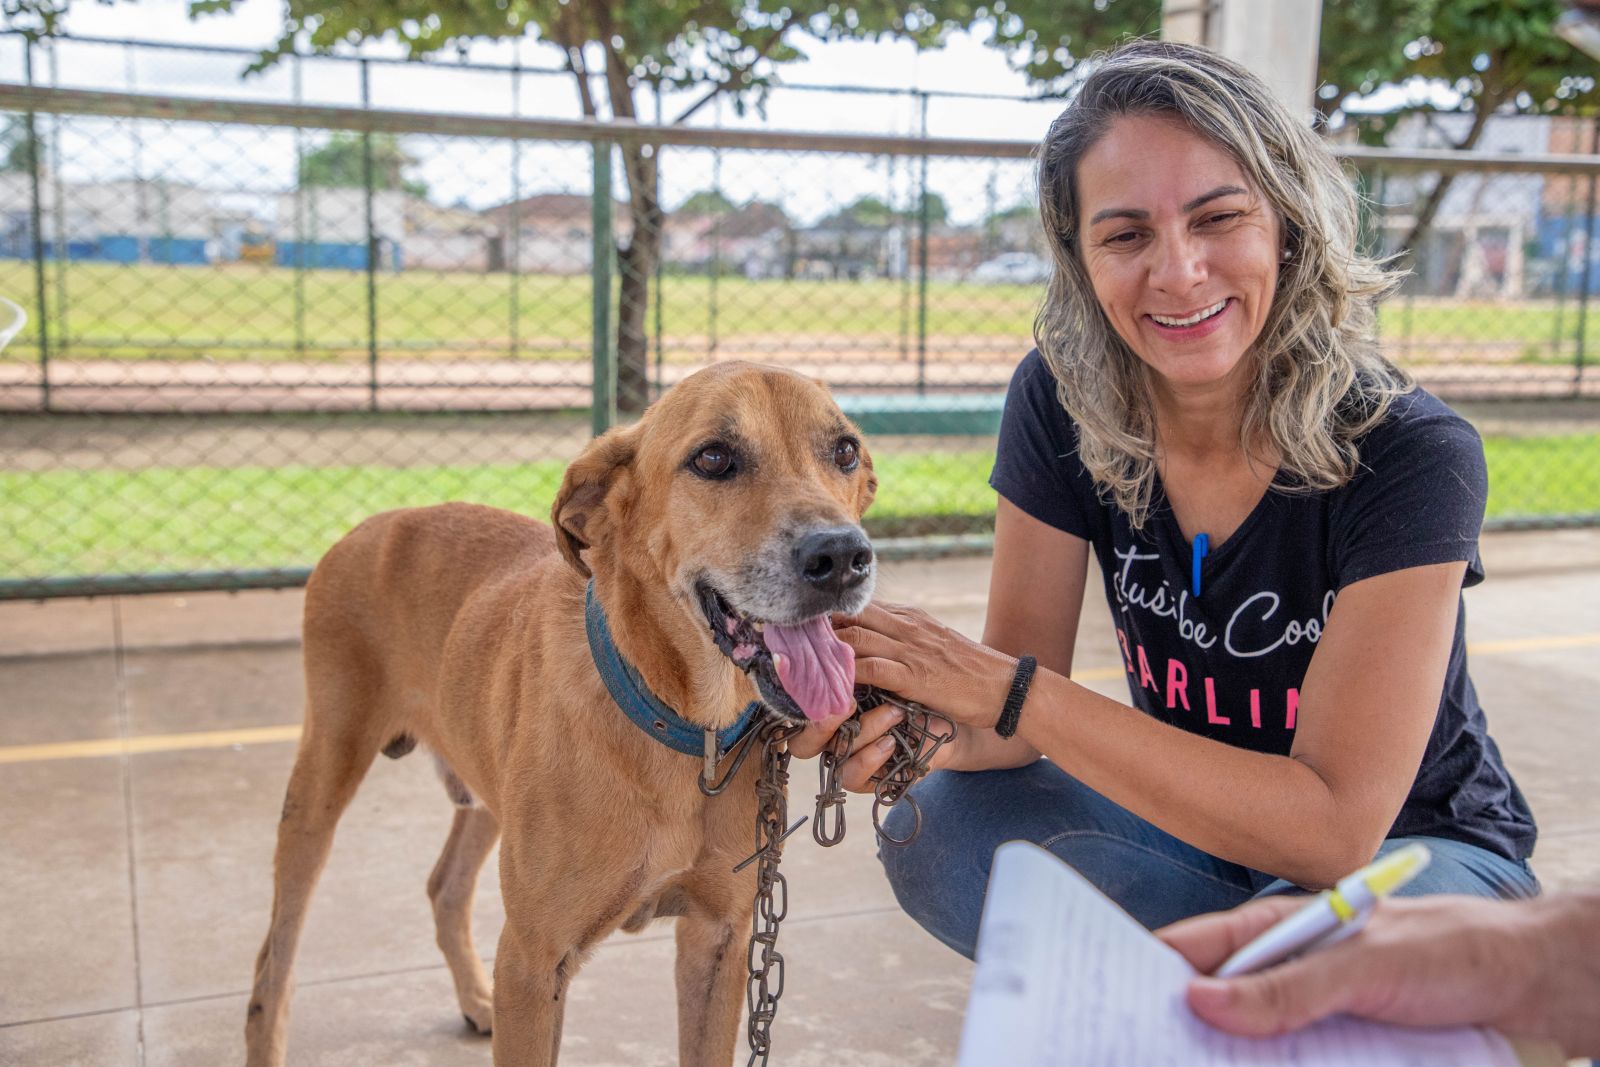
[[144, 746]]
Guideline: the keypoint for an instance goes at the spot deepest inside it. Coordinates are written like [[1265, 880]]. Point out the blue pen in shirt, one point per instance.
[[1202, 545]]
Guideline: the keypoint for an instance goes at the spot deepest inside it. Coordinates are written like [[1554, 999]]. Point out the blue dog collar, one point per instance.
[[641, 706]]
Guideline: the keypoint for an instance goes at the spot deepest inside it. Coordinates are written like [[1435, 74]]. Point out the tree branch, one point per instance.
[[761, 53], [571, 45]]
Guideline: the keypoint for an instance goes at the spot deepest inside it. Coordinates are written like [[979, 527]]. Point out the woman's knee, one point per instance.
[[1458, 867]]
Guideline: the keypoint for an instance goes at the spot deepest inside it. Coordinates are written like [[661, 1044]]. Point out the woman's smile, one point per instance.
[[1193, 324]]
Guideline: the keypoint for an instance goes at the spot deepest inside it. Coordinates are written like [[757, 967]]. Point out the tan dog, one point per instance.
[[721, 530]]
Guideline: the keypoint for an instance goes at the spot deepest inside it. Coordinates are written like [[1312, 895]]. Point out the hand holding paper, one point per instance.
[[1064, 977]]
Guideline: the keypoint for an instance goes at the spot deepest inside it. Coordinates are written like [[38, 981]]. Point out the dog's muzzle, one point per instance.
[[772, 620]]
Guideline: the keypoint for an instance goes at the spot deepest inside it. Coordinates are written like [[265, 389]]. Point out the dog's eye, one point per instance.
[[846, 454], [714, 461]]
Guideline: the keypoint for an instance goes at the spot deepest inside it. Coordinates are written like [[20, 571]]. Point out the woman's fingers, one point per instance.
[[819, 735], [869, 759], [885, 674], [1206, 940]]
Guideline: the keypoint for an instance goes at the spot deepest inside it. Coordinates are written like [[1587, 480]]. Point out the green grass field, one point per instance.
[[62, 523], [245, 312], [248, 313]]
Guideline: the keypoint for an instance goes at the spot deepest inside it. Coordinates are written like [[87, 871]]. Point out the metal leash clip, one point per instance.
[[917, 736]]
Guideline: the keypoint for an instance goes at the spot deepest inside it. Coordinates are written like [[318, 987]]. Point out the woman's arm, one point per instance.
[[1367, 706], [1036, 588]]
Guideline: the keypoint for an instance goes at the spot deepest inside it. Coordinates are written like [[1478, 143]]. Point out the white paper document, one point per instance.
[[1065, 976]]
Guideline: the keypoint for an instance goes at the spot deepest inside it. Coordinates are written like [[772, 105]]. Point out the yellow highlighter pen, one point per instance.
[[1331, 914]]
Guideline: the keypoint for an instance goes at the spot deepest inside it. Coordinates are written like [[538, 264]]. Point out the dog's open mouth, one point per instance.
[[801, 669]]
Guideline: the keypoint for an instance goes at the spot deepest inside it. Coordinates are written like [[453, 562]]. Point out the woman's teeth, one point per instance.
[[1198, 316]]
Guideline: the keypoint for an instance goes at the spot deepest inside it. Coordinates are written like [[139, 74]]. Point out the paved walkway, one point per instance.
[[144, 746]]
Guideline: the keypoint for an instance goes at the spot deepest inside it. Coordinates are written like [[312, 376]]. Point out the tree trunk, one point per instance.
[[636, 262], [1430, 207]]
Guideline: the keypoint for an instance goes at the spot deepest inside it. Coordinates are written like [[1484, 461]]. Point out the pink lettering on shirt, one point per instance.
[[1177, 684], [1211, 705], [1147, 678]]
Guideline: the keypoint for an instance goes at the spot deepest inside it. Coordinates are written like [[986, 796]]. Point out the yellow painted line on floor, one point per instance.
[[116, 746], [1531, 644], [261, 735]]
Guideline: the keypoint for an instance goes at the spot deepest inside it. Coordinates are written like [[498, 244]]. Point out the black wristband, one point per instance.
[[1006, 725]]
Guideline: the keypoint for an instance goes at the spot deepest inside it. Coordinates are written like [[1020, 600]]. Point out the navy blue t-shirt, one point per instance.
[[1228, 664]]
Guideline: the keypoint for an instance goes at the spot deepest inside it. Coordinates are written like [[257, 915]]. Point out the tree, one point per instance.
[[340, 163], [938, 213], [1498, 55], [1048, 39], [16, 151], [728, 48], [707, 202]]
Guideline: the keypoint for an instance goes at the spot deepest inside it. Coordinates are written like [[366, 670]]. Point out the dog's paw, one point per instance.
[[480, 1017]]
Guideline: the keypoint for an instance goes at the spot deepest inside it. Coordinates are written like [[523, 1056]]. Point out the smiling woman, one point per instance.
[[1283, 522]]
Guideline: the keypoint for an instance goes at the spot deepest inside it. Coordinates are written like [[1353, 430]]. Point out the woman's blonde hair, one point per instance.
[[1320, 378]]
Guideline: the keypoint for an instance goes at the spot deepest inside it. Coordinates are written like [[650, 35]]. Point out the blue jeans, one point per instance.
[[941, 877]]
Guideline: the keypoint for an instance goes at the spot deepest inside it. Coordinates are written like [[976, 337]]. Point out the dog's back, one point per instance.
[[426, 563], [382, 603]]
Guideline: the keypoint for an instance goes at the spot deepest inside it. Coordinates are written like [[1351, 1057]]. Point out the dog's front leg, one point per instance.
[[530, 1000], [711, 973]]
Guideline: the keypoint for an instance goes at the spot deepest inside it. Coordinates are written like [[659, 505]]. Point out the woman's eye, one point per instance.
[[714, 461], [1226, 216], [1127, 237], [846, 454]]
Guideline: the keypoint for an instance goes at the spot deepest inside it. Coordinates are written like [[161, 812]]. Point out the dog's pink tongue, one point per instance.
[[816, 668]]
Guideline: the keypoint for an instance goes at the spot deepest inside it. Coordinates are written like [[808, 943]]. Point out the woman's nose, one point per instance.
[[1178, 263]]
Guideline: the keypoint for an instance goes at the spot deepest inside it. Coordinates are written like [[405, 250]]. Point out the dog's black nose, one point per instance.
[[834, 560]]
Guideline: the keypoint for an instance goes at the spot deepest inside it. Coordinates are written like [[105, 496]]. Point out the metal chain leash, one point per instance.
[[917, 736], [765, 962], [916, 741]]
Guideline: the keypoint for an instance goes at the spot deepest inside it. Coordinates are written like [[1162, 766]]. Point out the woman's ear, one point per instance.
[[581, 512]]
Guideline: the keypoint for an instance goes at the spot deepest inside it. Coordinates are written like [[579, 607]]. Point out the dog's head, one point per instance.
[[741, 493]]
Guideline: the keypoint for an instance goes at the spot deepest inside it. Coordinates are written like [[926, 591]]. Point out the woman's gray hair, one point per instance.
[[1320, 380]]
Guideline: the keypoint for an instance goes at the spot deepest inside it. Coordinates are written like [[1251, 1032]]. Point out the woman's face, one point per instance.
[[1182, 251]]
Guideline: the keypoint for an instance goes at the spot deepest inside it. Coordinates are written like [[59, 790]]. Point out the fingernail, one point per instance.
[[885, 744]]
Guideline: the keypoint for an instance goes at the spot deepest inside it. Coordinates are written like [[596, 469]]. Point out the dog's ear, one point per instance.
[[869, 483], [579, 513]]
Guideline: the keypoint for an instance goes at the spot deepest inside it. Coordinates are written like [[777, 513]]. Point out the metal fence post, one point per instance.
[[299, 221], [1583, 284], [922, 259], [367, 180], [604, 390], [514, 213], [1583, 280], [716, 240], [58, 200], [36, 222]]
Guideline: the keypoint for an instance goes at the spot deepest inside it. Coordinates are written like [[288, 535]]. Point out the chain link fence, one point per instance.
[[250, 323]]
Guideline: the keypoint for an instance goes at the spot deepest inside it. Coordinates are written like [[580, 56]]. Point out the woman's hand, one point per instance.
[[906, 651], [871, 750]]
